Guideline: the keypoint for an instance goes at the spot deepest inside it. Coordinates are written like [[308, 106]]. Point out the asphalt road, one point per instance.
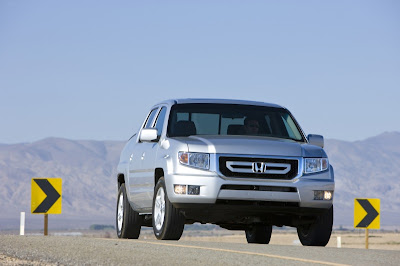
[[41, 250]]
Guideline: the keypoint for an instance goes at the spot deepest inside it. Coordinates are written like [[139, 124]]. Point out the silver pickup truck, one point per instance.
[[242, 165]]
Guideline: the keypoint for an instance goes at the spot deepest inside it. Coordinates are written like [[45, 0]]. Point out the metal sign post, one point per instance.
[[46, 224]]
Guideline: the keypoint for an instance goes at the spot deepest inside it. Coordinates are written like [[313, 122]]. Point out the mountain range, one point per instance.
[[363, 169]]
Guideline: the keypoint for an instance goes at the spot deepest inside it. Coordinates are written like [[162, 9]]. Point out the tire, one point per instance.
[[128, 221], [318, 233], [168, 222], [259, 234]]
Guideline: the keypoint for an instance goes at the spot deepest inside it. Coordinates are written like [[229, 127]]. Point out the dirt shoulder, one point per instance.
[[384, 241]]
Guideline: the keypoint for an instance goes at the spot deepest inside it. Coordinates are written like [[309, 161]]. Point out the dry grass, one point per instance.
[[387, 241]]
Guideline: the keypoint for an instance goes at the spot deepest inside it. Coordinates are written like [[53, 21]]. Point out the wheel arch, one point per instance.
[[120, 179], [158, 173]]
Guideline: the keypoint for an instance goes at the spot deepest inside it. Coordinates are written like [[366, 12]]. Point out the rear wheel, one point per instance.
[[317, 233], [127, 220], [168, 222], [259, 234]]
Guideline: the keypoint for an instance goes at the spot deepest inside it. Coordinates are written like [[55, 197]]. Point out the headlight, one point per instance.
[[313, 165], [198, 160]]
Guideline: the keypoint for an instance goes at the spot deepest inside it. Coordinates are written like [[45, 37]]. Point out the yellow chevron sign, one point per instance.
[[46, 195], [366, 213]]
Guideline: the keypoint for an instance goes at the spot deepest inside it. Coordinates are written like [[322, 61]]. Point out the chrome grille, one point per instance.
[[266, 168], [258, 167]]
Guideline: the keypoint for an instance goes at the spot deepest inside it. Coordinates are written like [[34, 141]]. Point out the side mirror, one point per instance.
[[148, 134], [316, 140]]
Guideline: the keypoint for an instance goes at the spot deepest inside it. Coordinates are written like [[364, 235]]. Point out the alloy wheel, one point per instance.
[[159, 208]]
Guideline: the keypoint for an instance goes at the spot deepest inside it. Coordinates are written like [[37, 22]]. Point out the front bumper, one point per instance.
[[214, 187]]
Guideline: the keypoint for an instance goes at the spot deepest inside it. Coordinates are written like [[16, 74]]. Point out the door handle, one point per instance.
[[143, 155]]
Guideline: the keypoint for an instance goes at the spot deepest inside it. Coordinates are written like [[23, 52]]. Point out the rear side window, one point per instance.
[[160, 120], [150, 118]]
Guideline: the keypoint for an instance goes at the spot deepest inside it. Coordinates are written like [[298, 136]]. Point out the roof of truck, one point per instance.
[[222, 101]]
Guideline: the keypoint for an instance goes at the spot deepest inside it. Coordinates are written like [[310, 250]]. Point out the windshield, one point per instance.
[[232, 119]]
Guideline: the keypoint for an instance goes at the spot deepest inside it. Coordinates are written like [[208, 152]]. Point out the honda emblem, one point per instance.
[[259, 167]]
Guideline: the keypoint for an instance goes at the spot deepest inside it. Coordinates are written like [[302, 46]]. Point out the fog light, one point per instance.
[[323, 194], [193, 190], [180, 189], [328, 195]]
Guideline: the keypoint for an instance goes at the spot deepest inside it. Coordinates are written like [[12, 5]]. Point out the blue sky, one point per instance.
[[92, 69]]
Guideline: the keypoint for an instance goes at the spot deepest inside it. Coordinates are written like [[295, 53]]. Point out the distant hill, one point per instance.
[[88, 170], [368, 168]]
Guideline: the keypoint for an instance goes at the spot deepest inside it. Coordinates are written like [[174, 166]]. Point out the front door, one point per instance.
[[141, 174], [144, 158]]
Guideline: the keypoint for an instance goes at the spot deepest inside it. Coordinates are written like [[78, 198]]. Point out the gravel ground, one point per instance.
[[6, 260]]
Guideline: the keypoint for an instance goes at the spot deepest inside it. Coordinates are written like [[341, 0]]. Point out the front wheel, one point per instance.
[[127, 220], [317, 233], [259, 234], [168, 222]]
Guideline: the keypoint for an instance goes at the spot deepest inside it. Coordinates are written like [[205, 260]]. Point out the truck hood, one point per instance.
[[252, 145]]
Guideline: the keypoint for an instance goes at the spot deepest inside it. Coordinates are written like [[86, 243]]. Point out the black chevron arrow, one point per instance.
[[52, 195], [371, 213]]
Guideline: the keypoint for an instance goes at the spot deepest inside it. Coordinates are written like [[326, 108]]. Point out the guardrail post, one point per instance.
[[22, 224]]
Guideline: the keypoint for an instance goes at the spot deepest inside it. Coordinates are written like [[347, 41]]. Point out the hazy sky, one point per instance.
[[92, 69]]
